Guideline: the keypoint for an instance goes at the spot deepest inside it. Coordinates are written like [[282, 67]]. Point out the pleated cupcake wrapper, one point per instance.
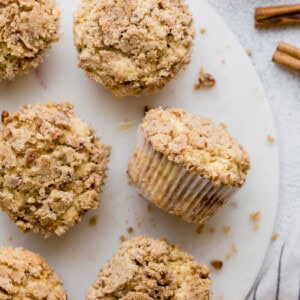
[[173, 188]]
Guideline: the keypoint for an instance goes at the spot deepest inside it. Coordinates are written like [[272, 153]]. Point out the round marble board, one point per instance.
[[237, 100]]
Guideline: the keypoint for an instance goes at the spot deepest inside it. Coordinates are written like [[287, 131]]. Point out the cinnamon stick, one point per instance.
[[282, 15], [288, 56]]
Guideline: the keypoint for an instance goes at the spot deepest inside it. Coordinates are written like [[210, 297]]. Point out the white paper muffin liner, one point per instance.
[[173, 188]]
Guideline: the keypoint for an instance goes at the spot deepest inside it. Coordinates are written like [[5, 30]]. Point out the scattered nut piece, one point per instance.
[[200, 228], [130, 230], [249, 52], [271, 138], [205, 80], [255, 216], [217, 264], [93, 220], [203, 30], [122, 238], [274, 236], [226, 228]]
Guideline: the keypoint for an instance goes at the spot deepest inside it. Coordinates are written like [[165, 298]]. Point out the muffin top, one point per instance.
[[133, 46], [146, 269], [197, 144], [52, 167], [27, 29], [26, 275]]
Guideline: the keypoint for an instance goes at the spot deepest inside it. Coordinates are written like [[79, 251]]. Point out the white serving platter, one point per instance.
[[237, 100]]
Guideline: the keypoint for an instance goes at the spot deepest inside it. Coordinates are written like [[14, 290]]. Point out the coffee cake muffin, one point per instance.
[[186, 165], [26, 275], [52, 167], [148, 269], [27, 29], [133, 47]]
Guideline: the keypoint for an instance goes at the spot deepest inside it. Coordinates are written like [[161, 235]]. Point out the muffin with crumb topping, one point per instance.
[[28, 28], [52, 167], [26, 275], [133, 47], [148, 269], [186, 165]]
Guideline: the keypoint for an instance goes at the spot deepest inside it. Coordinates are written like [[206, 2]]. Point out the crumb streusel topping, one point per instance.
[[197, 144], [28, 28], [26, 275], [52, 167], [149, 269], [133, 46]]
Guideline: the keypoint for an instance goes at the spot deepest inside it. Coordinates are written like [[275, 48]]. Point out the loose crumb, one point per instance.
[[223, 125], [217, 264], [221, 297], [223, 61], [255, 216], [205, 80], [249, 52], [212, 229], [146, 109], [271, 138], [228, 256], [200, 229], [126, 125], [93, 220], [140, 223], [274, 236], [234, 248], [226, 228], [130, 230], [4, 115], [203, 30], [123, 238], [9, 238], [256, 227], [150, 208]]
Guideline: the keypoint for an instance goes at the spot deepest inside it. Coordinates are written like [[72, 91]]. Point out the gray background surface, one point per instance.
[[282, 87]]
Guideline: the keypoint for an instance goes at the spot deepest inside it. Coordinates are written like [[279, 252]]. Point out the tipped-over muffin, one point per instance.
[[186, 165], [26, 275], [52, 167], [149, 269], [27, 29], [133, 47]]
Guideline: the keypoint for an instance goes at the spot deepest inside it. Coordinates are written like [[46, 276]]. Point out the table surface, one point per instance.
[[283, 90]]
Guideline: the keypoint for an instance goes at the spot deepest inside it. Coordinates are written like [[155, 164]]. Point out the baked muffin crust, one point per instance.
[[26, 275], [52, 167], [197, 144], [148, 269], [28, 28], [133, 46]]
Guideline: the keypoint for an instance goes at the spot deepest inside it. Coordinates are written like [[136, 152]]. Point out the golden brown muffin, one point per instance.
[[148, 269], [52, 167], [133, 47], [186, 165], [27, 29], [25, 275]]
